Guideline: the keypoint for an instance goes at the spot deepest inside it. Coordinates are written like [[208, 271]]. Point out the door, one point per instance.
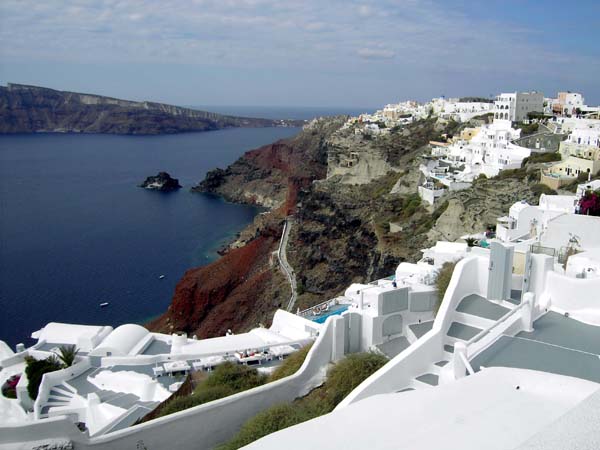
[[392, 325], [500, 272]]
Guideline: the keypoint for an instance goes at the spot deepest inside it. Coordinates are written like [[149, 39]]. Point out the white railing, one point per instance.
[[320, 306], [477, 343], [467, 364]]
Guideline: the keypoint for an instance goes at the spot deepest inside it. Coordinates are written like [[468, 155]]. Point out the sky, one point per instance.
[[318, 53]]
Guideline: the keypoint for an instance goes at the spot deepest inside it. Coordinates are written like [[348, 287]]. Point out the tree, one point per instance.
[[470, 241], [35, 370], [67, 354]]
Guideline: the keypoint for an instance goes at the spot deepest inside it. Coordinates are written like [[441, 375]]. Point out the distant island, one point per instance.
[[161, 182], [33, 109]]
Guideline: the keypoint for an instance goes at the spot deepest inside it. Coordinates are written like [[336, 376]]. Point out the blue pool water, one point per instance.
[[335, 310], [75, 230]]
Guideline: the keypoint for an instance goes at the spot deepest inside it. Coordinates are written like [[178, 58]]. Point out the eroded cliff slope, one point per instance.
[[347, 227]]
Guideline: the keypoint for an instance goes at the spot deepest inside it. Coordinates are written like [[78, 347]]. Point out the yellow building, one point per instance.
[[468, 133]]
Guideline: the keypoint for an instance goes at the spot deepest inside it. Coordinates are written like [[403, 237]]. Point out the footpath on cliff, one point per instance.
[[342, 214]]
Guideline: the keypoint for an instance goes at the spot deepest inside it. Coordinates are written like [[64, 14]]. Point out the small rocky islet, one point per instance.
[[162, 182]]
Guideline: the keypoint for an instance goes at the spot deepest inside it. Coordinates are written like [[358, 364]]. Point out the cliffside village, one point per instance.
[[518, 323], [501, 134]]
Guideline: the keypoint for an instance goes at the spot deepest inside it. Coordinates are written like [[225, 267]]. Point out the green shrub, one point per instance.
[[527, 129], [347, 374], [512, 173], [440, 210], [269, 421], [35, 370], [443, 280], [291, 364], [341, 380], [178, 404], [534, 177], [235, 376], [410, 205], [541, 158], [540, 188], [227, 379], [68, 354]]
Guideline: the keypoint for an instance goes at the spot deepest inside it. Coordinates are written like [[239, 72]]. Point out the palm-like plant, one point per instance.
[[471, 241], [67, 354]]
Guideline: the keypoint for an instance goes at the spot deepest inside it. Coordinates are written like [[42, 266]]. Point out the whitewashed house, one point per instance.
[[515, 106]]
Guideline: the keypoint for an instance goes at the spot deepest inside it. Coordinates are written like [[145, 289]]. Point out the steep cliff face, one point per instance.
[[342, 231], [236, 292], [29, 109], [473, 210], [362, 158], [272, 175]]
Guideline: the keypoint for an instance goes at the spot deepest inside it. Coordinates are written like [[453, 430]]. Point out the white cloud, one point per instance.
[[375, 53], [336, 35]]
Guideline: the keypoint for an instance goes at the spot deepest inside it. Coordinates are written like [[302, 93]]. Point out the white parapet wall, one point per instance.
[[469, 277], [51, 379], [576, 296], [212, 423]]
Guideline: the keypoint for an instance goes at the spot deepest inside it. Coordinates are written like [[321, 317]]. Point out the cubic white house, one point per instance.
[[515, 106]]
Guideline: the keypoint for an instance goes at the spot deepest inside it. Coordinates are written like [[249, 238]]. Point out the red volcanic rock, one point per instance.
[[242, 287], [278, 156], [225, 294]]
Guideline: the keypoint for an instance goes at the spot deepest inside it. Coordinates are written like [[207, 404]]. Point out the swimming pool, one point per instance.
[[334, 310]]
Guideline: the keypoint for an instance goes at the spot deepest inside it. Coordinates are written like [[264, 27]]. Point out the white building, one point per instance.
[[568, 103], [515, 106], [488, 152], [464, 111], [485, 361]]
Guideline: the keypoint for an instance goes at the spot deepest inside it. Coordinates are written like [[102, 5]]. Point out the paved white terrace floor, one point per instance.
[[483, 411]]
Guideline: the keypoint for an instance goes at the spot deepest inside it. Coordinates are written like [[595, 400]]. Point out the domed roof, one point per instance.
[[122, 340]]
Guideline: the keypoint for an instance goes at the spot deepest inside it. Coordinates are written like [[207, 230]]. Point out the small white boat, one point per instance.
[[161, 277], [104, 304]]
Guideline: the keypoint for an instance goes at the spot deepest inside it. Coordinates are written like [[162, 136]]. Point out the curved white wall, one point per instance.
[[469, 277], [579, 297], [212, 423]]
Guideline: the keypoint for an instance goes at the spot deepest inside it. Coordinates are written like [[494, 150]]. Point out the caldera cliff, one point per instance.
[[31, 109], [356, 216]]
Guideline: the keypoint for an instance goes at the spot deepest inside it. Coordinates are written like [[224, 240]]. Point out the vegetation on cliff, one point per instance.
[[357, 216], [342, 378], [227, 379], [443, 281]]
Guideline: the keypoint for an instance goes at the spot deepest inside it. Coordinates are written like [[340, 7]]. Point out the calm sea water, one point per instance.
[[75, 230], [281, 112]]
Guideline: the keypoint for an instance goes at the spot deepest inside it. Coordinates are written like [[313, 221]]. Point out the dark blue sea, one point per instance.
[[281, 112], [76, 231]]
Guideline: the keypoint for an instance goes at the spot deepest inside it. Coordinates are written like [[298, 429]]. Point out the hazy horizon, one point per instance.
[[353, 54]]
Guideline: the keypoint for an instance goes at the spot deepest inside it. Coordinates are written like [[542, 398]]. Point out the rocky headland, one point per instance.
[[161, 182], [31, 109], [356, 214]]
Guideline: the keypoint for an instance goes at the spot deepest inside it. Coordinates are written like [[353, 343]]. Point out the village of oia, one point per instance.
[[200, 250]]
